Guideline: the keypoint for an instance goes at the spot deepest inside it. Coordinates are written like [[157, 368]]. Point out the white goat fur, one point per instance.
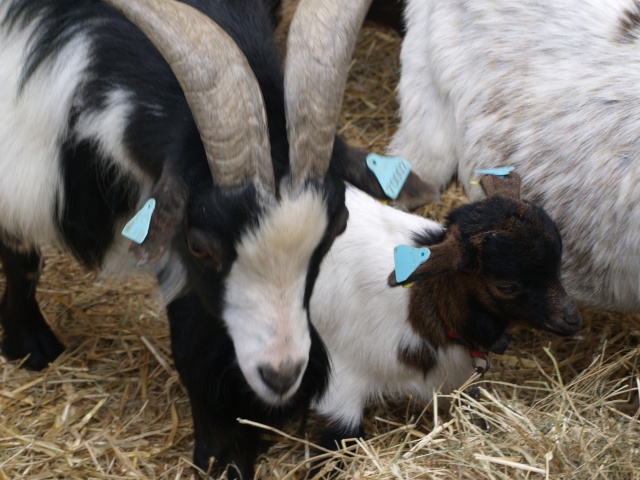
[[29, 174], [551, 87], [363, 321]]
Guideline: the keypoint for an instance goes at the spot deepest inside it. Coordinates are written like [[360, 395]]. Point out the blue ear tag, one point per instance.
[[407, 259], [137, 228], [391, 173], [498, 172]]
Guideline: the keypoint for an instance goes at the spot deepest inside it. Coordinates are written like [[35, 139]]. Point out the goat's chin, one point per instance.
[[560, 330], [274, 399]]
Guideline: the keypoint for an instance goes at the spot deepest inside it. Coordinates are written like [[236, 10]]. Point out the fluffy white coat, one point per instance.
[[363, 321], [551, 87]]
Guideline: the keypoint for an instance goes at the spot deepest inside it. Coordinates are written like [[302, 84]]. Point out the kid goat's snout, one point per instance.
[[567, 319]]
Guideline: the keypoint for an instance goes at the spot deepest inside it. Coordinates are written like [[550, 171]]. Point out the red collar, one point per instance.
[[480, 360]]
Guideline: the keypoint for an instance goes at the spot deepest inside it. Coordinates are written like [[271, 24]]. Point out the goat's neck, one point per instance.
[[439, 305]]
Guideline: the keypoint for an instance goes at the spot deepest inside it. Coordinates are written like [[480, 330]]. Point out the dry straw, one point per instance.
[[112, 406]]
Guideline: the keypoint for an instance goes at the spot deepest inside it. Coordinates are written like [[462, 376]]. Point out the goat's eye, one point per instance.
[[509, 288], [200, 254], [197, 249], [206, 248]]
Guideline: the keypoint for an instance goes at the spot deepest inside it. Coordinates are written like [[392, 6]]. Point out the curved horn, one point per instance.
[[320, 46], [219, 85]]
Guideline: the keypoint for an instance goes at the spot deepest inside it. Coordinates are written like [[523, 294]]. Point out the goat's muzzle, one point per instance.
[[282, 379], [567, 321]]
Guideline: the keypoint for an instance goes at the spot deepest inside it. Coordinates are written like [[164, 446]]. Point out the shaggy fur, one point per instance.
[[549, 87]]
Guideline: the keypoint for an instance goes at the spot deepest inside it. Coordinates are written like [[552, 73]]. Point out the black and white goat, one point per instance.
[[494, 262], [98, 117], [550, 87]]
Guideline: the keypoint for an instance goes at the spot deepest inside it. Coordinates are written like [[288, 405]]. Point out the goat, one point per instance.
[[494, 262], [243, 165], [550, 88]]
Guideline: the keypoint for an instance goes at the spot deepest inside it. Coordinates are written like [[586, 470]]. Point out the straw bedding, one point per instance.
[[112, 405]]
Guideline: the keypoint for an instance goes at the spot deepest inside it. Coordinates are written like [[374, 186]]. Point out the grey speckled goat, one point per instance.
[[551, 87]]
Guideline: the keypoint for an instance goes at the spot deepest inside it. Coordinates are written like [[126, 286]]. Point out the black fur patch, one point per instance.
[[25, 331], [629, 24], [332, 434], [334, 197], [95, 195], [421, 358], [428, 237]]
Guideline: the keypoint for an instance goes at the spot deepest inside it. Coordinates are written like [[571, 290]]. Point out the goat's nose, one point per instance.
[[573, 319], [282, 379]]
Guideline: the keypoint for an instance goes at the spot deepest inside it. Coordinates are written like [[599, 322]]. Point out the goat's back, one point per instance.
[[551, 88]]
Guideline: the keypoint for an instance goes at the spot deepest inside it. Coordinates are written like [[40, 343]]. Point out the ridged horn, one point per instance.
[[219, 85], [319, 49]]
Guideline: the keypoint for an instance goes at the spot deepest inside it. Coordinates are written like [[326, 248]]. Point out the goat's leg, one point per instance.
[[205, 358], [227, 447], [331, 437], [26, 333], [333, 434], [341, 409]]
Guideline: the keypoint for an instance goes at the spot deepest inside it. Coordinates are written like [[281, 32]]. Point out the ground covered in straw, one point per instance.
[[112, 406]]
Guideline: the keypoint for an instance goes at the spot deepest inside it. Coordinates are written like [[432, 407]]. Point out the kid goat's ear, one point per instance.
[[508, 186], [445, 256]]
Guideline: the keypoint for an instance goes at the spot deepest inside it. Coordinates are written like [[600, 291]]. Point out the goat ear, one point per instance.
[[445, 256], [350, 163], [508, 186], [416, 193], [171, 199]]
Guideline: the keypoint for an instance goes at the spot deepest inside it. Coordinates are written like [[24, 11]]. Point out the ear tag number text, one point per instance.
[[391, 173]]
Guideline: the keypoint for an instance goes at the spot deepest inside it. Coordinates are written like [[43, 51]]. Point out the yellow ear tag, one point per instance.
[[474, 182], [408, 285]]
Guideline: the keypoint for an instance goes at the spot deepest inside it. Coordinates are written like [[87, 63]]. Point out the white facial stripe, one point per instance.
[[264, 310]]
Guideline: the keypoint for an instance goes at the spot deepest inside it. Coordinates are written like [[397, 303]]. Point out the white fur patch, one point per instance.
[[106, 127], [547, 86], [264, 310], [427, 129], [33, 125], [33, 128], [363, 321]]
